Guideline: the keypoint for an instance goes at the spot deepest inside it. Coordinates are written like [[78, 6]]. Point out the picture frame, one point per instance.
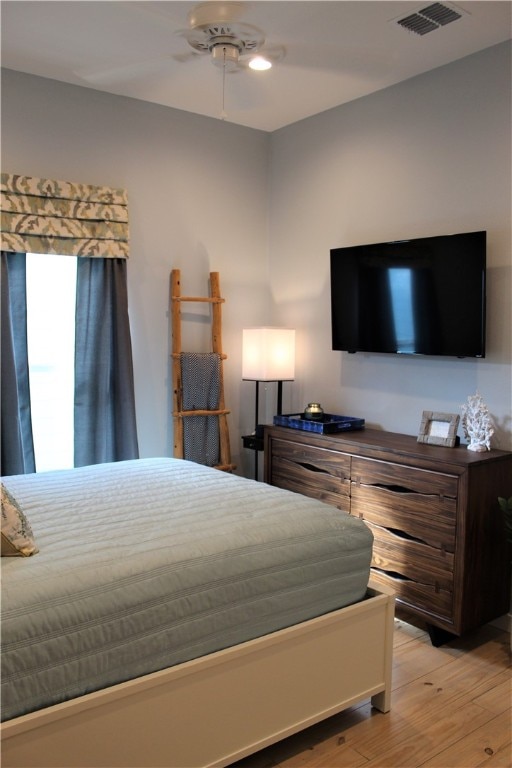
[[439, 428]]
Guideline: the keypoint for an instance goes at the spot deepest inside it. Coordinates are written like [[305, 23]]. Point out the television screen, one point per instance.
[[420, 297]]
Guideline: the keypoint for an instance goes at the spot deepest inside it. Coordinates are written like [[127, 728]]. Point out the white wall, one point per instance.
[[427, 157], [197, 191]]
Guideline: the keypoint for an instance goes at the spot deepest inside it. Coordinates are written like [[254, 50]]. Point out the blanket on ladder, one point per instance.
[[200, 378]]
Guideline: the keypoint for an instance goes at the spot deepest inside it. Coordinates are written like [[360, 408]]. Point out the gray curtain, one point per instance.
[[105, 427], [17, 454]]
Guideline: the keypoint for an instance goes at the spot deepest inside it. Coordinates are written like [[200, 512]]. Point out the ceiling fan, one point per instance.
[[215, 29]]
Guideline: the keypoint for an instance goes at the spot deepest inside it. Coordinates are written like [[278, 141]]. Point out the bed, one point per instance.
[[175, 615]]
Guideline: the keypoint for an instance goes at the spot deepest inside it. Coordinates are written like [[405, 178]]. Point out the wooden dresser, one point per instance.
[[439, 536]]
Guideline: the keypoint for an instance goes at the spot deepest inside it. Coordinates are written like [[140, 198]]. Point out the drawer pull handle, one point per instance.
[[392, 574], [404, 535], [311, 467]]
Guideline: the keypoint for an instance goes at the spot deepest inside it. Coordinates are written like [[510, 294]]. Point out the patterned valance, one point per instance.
[[44, 216]]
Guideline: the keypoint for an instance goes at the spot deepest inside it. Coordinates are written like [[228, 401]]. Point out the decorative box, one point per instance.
[[327, 424]]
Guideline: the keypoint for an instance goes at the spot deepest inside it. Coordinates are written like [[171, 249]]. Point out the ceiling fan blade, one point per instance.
[[333, 58], [182, 58], [123, 72]]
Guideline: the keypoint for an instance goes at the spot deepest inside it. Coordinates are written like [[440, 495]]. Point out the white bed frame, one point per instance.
[[220, 708]]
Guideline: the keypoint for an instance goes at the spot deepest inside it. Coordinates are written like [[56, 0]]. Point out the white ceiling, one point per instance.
[[332, 52]]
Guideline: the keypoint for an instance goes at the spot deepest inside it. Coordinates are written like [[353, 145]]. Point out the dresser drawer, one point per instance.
[[403, 478], [434, 603], [430, 519], [413, 559], [314, 472]]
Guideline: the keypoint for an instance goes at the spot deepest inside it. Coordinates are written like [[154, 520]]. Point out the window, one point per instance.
[[51, 298]]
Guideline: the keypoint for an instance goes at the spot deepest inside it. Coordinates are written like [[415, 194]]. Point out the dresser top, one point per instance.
[[377, 441]]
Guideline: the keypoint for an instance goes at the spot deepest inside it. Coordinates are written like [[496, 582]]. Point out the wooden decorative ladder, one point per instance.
[[178, 413]]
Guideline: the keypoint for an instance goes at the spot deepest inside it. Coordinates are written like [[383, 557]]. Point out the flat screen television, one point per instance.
[[414, 297]]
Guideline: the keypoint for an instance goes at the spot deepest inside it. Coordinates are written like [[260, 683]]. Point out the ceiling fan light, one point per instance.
[[259, 63]]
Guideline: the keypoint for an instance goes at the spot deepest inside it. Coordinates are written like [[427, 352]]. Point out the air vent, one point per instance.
[[440, 14], [429, 18]]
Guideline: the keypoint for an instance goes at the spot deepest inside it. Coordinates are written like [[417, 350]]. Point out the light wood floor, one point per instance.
[[450, 708]]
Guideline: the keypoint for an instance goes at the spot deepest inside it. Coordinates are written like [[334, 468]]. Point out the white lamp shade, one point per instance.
[[268, 354]]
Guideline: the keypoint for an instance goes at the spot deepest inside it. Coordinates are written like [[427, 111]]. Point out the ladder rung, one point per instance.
[[203, 412], [208, 299], [222, 356]]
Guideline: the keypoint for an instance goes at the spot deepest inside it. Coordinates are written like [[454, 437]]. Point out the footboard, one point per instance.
[[215, 710]]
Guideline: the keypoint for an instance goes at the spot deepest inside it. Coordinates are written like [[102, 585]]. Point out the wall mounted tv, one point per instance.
[[418, 297]]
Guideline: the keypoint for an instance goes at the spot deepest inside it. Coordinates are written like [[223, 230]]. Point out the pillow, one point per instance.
[[17, 536]]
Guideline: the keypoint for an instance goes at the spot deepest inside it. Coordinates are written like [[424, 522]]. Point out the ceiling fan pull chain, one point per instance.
[[223, 113]]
